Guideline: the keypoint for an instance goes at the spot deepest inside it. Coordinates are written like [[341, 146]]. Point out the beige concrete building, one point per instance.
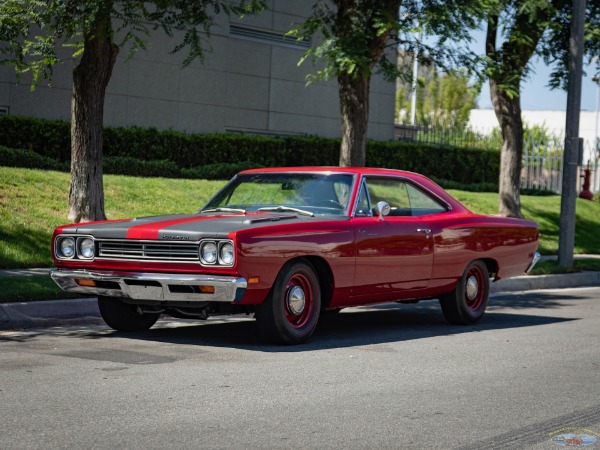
[[251, 83]]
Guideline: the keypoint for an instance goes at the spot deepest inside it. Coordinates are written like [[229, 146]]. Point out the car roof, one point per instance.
[[337, 169], [365, 171]]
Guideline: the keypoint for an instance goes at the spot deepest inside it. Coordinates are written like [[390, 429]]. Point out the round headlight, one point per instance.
[[86, 248], [67, 247], [209, 253], [227, 255]]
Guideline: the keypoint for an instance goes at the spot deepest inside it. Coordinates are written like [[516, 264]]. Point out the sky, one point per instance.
[[535, 93]]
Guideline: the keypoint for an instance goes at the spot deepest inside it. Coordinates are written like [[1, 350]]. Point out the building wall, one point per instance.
[[249, 83]]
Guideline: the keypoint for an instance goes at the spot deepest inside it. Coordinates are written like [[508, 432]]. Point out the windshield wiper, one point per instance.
[[286, 208], [224, 209]]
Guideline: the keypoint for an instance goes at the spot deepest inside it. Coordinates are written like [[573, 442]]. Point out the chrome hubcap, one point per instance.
[[472, 288], [296, 300]]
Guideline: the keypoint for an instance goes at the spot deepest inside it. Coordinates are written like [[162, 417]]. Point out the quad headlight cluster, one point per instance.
[[75, 247], [220, 253]]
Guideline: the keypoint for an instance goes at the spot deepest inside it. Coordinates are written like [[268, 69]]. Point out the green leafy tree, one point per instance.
[[351, 38], [31, 32], [443, 100], [517, 31]]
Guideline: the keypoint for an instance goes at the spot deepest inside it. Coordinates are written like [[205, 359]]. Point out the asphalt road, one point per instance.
[[394, 376]]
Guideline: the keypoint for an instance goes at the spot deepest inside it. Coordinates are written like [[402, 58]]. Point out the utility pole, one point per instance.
[[413, 110], [571, 156]]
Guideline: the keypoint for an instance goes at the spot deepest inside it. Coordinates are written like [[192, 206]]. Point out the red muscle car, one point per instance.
[[289, 243]]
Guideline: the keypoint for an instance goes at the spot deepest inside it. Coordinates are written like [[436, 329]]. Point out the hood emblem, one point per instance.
[[175, 237]]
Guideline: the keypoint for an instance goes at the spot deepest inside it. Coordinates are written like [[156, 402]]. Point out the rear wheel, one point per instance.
[[466, 304], [123, 317], [290, 312]]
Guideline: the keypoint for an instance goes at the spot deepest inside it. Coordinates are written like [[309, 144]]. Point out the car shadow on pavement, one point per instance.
[[352, 327]]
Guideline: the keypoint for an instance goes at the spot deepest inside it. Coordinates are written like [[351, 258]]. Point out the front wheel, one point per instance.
[[123, 317], [290, 312], [467, 302]]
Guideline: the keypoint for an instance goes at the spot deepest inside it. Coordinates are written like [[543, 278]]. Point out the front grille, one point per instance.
[[148, 251]]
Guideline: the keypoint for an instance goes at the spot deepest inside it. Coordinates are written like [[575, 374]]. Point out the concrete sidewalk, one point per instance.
[[85, 310]]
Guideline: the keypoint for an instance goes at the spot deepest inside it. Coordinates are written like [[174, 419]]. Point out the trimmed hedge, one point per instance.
[[149, 152], [124, 165], [13, 157]]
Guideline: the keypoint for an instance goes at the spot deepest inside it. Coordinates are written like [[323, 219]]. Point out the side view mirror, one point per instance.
[[383, 208]]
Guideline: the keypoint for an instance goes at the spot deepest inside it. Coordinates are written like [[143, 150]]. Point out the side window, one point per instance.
[[393, 191], [404, 198], [422, 204]]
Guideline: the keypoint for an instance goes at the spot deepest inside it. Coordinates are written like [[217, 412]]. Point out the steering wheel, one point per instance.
[[330, 204]]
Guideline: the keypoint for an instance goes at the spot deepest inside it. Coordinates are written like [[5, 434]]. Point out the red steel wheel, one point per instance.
[[474, 284], [299, 300], [468, 301], [291, 311]]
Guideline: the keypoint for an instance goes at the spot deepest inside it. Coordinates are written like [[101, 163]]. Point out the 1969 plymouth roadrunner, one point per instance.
[[289, 243]]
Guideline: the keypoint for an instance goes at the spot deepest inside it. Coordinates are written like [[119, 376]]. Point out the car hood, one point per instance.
[[186, 227]]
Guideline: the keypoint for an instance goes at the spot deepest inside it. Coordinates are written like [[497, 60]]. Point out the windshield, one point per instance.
[[316, 193]]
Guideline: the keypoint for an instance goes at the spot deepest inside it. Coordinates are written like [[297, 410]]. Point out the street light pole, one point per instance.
[[413, 110], [566, 237], [596, 144]]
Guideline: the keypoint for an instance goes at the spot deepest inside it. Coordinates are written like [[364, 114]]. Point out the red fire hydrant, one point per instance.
[[585, 192]]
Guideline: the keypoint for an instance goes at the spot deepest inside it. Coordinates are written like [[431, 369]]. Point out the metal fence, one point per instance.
[[543, 166], [542, 169], [542, 161]]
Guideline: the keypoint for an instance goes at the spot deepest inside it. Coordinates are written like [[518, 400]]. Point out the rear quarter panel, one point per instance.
[[459, 239]]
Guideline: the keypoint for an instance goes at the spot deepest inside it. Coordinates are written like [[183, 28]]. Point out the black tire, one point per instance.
[[467, 303], [290, 312], [123, 317]]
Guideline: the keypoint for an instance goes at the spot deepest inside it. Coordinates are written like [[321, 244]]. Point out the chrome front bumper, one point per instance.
[[159, 287], [536, 258]]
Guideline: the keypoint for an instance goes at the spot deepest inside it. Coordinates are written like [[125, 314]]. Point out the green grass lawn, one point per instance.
[[551, 267], [32, 288], [34, 202]]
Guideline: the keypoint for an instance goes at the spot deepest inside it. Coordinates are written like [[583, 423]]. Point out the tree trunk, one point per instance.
[[354, 106], [90, 78], [508, 112]]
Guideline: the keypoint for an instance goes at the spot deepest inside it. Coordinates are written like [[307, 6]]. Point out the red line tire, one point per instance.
[[123, 317], [290, 313], [466, 304]]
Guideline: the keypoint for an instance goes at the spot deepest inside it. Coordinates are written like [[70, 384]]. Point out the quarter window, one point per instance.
[[362, 205]]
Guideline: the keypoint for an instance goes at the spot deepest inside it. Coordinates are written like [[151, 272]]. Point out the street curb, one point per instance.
[[85, 310], [47, 313], [558, 281]]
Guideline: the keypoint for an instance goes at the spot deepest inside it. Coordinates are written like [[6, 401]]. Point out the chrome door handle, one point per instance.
[[364, 232], [424, 230]]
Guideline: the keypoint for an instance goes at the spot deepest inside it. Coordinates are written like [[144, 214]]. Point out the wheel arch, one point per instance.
[[492, 267], [324, 275], [326, 280]]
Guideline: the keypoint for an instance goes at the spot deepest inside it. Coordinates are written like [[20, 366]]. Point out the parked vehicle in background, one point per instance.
[[289, 243]]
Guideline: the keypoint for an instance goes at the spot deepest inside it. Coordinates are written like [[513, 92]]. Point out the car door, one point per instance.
[[394, 253]]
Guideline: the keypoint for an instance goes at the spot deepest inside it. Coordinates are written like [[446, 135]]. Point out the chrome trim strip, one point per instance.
[[536, 258], [153, 286]]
